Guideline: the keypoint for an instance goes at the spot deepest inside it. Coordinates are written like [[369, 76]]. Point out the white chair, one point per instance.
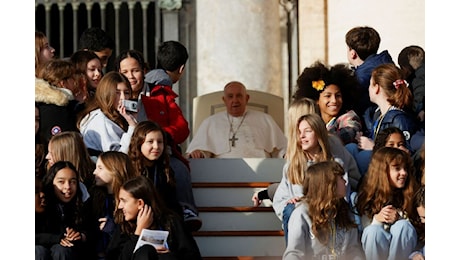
[[211, 103]]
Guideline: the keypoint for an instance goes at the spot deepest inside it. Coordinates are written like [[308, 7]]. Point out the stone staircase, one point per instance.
[[232, 227]]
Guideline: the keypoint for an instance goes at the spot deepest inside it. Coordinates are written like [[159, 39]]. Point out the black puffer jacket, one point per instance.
[[56, 106]]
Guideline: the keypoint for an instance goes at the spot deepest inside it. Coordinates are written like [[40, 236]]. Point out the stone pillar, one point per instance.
[[116, 7], [144, 5], [89, 8], [103, 5], [48, 19], [131, 5], [171, 33], [238, 40], [61, 7], [313, 33], [75, 5]]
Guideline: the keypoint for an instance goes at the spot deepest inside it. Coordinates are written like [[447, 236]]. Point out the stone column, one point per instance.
[[61, 7], [238, 40], [313, 33], [116, 7]]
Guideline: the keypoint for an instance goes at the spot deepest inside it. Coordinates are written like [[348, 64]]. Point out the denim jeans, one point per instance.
[[287, 211]]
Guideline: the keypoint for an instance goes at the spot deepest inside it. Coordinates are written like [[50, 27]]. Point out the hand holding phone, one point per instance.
[[130, 105]]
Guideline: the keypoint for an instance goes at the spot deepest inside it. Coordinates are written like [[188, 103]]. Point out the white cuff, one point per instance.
[[376, 222]]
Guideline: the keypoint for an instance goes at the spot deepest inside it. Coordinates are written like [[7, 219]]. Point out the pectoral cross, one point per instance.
[[233, 139]]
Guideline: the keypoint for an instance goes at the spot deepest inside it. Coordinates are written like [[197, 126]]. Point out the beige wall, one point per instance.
[[244, 39], [399, 22], [238, 40]]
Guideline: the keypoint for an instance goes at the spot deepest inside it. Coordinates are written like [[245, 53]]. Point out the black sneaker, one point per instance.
[[192, 221]]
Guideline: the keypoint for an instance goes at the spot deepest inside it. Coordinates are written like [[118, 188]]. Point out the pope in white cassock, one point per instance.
[[237, 132]]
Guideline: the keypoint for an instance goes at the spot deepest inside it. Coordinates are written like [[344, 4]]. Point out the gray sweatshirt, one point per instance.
[[302, 244]]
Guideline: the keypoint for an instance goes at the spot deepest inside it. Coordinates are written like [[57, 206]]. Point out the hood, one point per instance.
[[49, 94], [374, 60], [88, 118], [363, 72], [158, 77]]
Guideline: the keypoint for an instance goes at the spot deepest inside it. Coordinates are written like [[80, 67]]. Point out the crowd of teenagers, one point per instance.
[[353, 185], [109, 163], [105, 169]]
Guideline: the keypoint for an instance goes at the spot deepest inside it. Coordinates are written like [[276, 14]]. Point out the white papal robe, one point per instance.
[[258, 136]]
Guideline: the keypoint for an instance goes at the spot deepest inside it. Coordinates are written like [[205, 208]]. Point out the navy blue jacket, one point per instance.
[[363, 74], [394, 117]]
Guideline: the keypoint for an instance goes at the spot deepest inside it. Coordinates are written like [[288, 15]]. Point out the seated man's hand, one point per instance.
[[196, 154]]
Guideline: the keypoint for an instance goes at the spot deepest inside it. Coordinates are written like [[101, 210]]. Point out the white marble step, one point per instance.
[[241, 221], [225, 197], [241, 246], [237, 170]]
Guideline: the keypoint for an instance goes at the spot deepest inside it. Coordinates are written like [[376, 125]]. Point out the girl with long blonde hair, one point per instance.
[[69, 146], [309, 144]]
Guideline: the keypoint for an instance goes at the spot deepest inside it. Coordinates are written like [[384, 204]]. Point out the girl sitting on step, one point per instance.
[[322, 225], [142, 208]]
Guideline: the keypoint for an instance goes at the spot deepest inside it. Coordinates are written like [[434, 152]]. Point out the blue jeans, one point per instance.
[[287, 211], [362, 157], [396, 243]]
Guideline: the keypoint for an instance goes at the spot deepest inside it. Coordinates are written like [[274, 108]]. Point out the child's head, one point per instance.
[[148, 141], [43, 50], [39, 196], [113, 168], [390, 168], [324, 182], [389, 181], [131, 64], [362, 41], [387, 78], [59, 73], [171, 55], [87, 63], [61, 182], [113, 87], [297, 108], [134, 194], [148, 147], [312, 135], [411, 58], [97, 40], [69, 146], [331, 88], [419, 203], [390, 137]]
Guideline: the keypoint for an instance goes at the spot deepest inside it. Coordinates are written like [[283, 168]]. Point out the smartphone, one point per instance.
[[130, 105]]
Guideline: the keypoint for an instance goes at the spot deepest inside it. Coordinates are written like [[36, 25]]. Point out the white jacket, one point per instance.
[[102, 134]]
